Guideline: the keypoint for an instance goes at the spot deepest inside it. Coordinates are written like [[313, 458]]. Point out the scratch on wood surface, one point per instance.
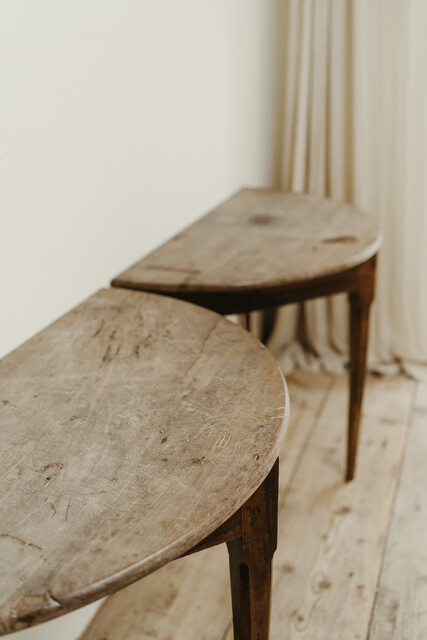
[[98, 331], [222, 442], [68, 508], [20, 541], [107, 355], [201, 350], [54, 466], [52, 469]]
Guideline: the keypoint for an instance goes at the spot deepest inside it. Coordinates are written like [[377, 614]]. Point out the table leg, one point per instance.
[[251, 562], [269, 320], [360, 303]]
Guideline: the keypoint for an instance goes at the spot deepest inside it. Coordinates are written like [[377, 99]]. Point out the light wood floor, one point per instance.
[[352, 559]]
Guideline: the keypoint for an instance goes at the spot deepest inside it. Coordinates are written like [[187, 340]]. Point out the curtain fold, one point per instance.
[[355, 130]]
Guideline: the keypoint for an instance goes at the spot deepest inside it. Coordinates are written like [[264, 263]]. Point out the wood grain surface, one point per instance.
[[258, 238], [332, 535], [131, 428], [262, 249], [401, 606], [189, 599]]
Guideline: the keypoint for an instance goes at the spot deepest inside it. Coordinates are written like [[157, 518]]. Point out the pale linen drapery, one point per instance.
[[355, 130]]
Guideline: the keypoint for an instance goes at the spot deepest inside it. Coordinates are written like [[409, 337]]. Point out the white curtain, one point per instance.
[[355, 129]]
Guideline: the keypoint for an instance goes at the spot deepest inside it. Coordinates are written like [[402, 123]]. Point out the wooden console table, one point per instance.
[[134, 430], [263, 248]]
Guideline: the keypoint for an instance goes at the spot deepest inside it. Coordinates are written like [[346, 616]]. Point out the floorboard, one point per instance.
[[331, 533], [401, 606]]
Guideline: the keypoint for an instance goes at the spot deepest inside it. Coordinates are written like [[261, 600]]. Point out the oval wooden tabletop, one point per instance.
[[130, 428], [259, 238]]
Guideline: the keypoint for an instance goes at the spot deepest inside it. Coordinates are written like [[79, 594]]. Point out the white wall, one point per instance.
[[121, 121]]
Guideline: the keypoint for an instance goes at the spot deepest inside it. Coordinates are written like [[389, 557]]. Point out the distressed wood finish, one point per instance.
[[332, 536], [261, 249], [166, 604], [250, 558], [131, 429], [258, 239]]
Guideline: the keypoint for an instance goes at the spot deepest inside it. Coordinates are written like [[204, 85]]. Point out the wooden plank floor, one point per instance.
[[352, 560]]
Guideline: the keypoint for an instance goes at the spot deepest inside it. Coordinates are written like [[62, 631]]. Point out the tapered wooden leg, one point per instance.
[[248, 321], [269, 320], [360, 303], [251, 562]]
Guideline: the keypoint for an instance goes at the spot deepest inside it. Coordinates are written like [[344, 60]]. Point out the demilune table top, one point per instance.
[[130, 429]]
